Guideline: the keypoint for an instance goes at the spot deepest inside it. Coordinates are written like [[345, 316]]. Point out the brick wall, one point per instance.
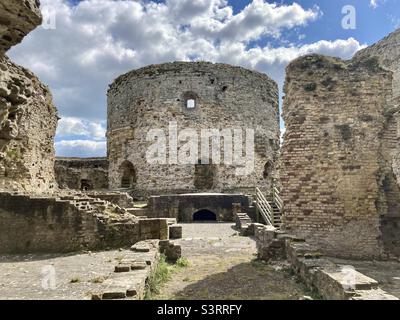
[[334, 160]]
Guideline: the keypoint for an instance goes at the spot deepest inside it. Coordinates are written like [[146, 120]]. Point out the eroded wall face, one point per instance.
[[28, 121], [17, 19], [28, 117], [82, 174], [336, 171], [225, 97]]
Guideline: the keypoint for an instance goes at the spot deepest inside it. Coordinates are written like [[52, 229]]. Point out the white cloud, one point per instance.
[[80, 148], [98, 40], [71, 126]]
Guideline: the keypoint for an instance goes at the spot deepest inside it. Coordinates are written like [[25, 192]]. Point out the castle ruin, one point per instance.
[[336, 186]]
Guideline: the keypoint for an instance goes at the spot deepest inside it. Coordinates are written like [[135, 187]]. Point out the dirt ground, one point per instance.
[[223, 265]]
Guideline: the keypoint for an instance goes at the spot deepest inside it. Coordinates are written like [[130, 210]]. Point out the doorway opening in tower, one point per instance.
[[204, 215]]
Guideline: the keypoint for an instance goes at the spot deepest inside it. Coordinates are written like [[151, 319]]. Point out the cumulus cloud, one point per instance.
[[97, 40], [71, 126], [80, 148]]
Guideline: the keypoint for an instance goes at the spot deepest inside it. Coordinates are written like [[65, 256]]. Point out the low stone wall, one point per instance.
[[29, 224], [331, 281], [121, 199], [132, 273], [184, 206]]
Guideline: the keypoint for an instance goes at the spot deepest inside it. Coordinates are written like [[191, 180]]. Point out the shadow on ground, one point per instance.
[[249, 280]]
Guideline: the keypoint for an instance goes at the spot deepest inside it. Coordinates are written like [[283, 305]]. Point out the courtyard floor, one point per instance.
[[223, 265], [49, 276]]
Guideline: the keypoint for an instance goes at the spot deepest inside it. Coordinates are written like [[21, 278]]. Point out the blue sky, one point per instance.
[[94, 41]]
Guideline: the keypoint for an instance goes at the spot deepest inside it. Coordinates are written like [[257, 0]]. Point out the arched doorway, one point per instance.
[[128, 174], [204, 215], [86, 185], [268, 167]]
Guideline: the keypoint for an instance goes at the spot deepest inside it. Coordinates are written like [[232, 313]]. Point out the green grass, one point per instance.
[[182, 262], [162, 274]]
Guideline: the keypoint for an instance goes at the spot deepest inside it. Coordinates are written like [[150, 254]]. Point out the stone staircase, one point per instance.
[[269, 207], [276, 212]]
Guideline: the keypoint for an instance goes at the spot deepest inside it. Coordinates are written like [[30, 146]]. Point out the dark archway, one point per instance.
[[128, 174], [86, 185], [204, 215], [268, 167]]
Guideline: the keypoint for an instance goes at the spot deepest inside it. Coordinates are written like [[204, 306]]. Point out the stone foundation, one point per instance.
[[327, 279]]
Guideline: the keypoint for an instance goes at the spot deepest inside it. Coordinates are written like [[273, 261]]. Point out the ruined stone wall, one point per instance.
[[82, 173], [17, 19], [28, 121], [45, 224], [225, 97], [387, 51], [336, 176], [28, 118]]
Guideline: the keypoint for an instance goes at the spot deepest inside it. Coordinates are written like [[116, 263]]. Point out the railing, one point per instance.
[[263, 207], [277, 198]]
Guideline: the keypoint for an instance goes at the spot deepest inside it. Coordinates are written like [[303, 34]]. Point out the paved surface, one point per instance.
[[387, 273], [223, 266], [56, 276]]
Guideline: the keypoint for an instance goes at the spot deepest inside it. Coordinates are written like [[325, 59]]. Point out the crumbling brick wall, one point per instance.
[[336, 174], [226, 97]]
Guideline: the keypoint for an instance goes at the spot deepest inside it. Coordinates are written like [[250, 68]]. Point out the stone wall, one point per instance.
[[46, 224], [387, 51], [183, 206], [17, 19], [337, 179], [225, 97], [82, 173], [28, 118]]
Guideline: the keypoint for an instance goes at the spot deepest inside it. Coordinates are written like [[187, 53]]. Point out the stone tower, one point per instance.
[[193, 96]]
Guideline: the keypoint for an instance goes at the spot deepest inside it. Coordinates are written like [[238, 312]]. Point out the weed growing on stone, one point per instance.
[[75, 280], [162, 274], [182, 262]]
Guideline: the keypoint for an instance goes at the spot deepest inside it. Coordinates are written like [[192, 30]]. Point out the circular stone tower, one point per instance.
[[192, 127]]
